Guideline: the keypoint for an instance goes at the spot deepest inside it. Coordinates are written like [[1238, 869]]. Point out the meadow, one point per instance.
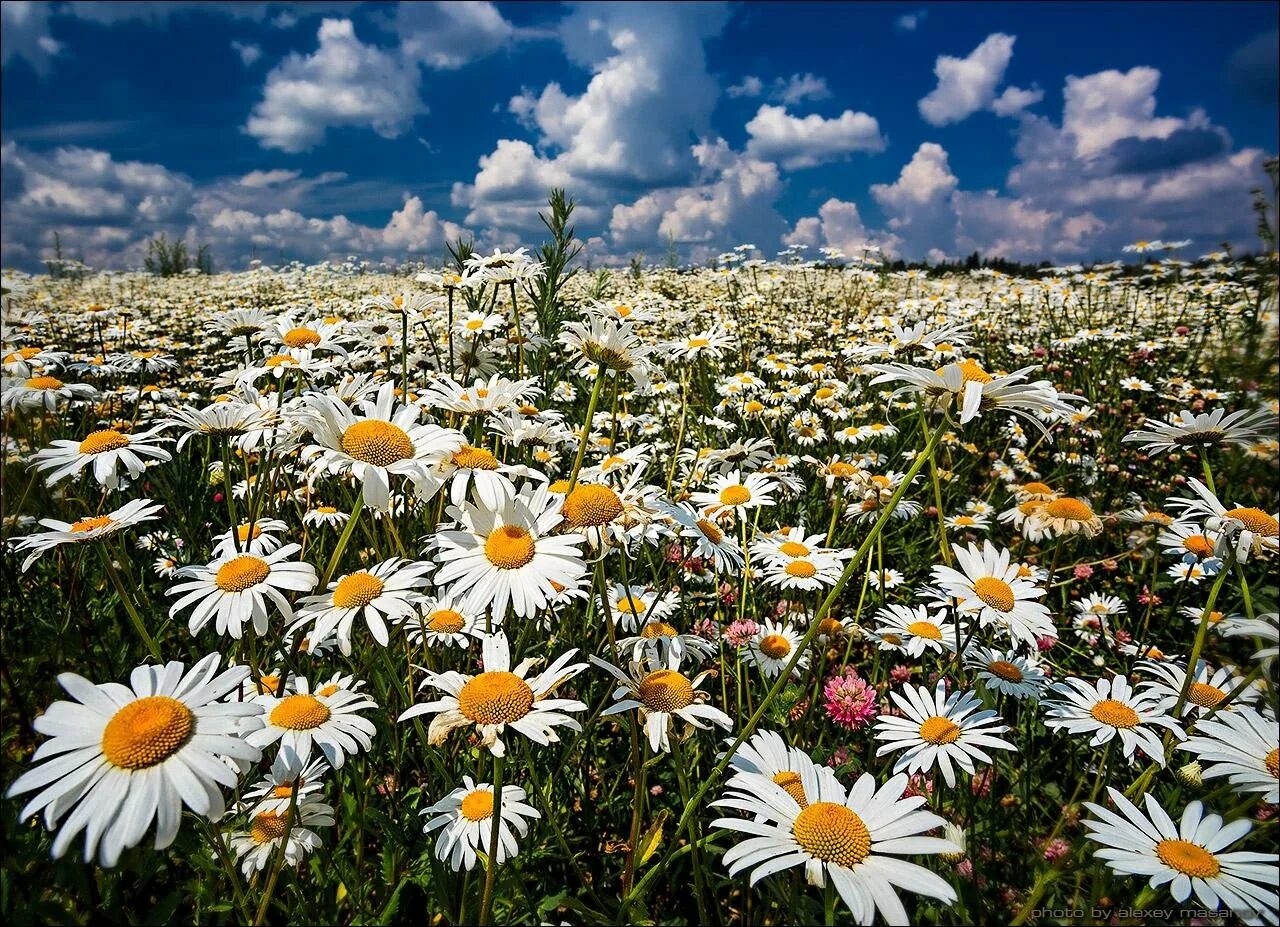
[[506, 591]]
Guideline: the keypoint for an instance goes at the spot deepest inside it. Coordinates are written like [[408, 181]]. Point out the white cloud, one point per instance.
[[1111, 105], [447, 35], [24, 33], [343, 83], [800, 87], [267, 178], [838, 224], [749, 86], [797, 142], [249, 52], [967, 85], [910, 22]]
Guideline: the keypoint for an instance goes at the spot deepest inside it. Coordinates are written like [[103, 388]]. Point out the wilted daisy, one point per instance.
[[499, 697], [380, 440], [326, 719], [939, 730], [1242, 745], [124, 757], [1110, 708], [661, 693], [464, 818], [849, 836], [509, 554], [106, 451], [1192, 856], [89, 528], [235, 589], [382, 593]]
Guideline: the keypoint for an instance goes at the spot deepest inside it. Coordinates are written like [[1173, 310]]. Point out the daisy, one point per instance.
[[661, 695], [1191, 429], [815, 571], [464, 818], [481, 398], [256, 538], [1189, 541], [126, 756], [1189, 856], [990, 588], [234, 589], [659, 642], [106, 451], [1107, 709], [1242, 529], [288, 774], [43, 392], [388, 591], [89, 528], [1265, 629], [766, 754], [383, 440], [1243, 745], [294, 826], [509, 554], [771, 647], [850, 836], [913, 630], [1064, 516], [1206, 692], [730, 491], [609, 346], [324, 516], [1006, 672], [939, 729], [441, 620], [711, 543], [633, 606], [477, 468], [326, 719], [498, 697]]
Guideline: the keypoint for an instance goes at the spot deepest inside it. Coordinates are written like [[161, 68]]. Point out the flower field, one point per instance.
[[512, 592]]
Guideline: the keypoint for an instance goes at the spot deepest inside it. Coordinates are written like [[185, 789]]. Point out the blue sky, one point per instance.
[[1051, 130]]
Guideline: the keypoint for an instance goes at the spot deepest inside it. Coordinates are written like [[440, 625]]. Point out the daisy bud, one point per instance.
[[1190, 775]]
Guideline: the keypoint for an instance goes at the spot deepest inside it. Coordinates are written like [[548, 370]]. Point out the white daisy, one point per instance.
[[1243, 745], [232, 590], [991, 588], [464, 818], [384, 592], [326, 719], [939, 729], [106, 451], [661, 695], [1107, 709], [89, 528]]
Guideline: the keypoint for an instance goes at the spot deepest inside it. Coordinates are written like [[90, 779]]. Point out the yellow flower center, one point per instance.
[[376, 442], [240, 573], [146, 732], [829, 627], [99, 442], [842, 470], [925, 629], [710, 531], [794, 549], [1069, 509], [509, 547], [268, 826], [792, 785], [44, 383], [1039, 489], [824, 392], [972, 372], [1189, 858], [775, 645], [665, 690], [301, 337], [91, 524], [832, 833], [656, 629], [496, 697], [1004, 670], [475, 324], [995, 592], [475, 458], [1205, 695], [446, 621], [328, 690], [631, 604], [1256, 520], [357, 590], [753, 407], [1114, 714], [591, 505], [1272, 762], [269, 684], [801, 569], [280, 360], [735, 495], [477, 805], [1199, 545], [699, 343], [300, 712], [939, 730]]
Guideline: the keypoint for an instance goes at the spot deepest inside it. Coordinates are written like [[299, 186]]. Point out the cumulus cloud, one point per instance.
[[800, 87], [749, 86], [910, 22], [249, 52], [448, 35], [838, 225], [343, 83], [796, 142], [968, 85], [106, 210]]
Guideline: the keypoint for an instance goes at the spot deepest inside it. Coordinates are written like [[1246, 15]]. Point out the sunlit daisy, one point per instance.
[[464, 819], [939, 730], [240, 588], [326, 719]]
